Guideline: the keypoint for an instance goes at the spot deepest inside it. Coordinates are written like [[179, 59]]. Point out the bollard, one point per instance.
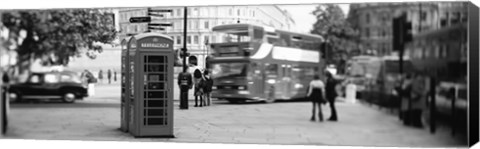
[[433, 105], [350, 92]]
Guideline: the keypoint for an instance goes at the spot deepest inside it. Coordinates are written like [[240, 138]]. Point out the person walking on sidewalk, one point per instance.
[[419, 96], [100, 76], [405, 91], [331, 94], [207, 88], [316, 93], [109, 76], [115, 76]]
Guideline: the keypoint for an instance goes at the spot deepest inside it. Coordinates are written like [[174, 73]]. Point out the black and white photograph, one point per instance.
[[317, 74]]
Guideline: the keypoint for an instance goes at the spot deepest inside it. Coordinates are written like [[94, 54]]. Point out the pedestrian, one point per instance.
[[100, 76], [91, 80], [115, 76], [198, 91], [316, 93], [419, 96], [109, 76], [405, 91], [331, 94], [207, 90]]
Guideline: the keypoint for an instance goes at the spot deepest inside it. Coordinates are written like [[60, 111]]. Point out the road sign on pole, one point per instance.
[[159, 10], [156, 28], [140, 19], [159, 24]]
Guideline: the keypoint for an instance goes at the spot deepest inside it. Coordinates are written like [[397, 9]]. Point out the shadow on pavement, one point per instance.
[[60, 104]]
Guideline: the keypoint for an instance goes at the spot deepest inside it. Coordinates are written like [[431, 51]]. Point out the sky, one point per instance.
[[303, 17]]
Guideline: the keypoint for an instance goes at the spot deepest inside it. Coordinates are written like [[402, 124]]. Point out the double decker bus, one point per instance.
[[263, 64]]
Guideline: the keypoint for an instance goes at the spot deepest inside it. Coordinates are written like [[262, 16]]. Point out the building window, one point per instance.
[[230, 11], [206, 25], [195, 11], [195, 39], [179, 12], [197, 24], [189, 13], [179, 39], [189, 39], [238, 12], [253, 13], [423, 16], [367, 18], [214, 39], [190, 24], [367, 32], [205, 40]]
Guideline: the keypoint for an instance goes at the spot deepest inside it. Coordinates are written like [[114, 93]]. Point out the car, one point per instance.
[[64, 85]]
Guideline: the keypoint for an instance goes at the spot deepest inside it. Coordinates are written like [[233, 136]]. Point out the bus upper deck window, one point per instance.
[[257, 34]]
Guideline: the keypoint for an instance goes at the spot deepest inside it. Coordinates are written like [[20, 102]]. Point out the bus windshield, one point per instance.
[[238, 33], [229, 70]]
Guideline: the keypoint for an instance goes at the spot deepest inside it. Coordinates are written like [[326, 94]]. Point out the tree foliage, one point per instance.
[[55, 36], [332, 25]]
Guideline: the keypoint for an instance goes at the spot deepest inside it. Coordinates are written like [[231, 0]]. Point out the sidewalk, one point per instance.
[[278, 123]]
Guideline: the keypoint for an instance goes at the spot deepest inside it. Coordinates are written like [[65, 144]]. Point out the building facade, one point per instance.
[[374, 23], [443, 52], [201, 20]]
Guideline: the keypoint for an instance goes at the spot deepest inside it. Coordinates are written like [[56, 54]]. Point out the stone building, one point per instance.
[[200, 21], [374, 22]]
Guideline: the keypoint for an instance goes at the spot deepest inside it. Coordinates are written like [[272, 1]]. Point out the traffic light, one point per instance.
[[407, 31], [402, 32], [184, 53]]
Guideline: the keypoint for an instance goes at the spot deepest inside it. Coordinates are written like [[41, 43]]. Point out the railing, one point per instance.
[[449, 110]]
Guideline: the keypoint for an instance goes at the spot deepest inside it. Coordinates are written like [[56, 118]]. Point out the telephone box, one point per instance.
[[125, 102], [151, 57]]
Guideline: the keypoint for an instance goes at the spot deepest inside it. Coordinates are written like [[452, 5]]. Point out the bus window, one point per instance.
[[271, 69], [258, 34], [229, 70]]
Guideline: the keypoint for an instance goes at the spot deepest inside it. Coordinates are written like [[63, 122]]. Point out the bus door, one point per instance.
[[288, 82], [256, 80], [284, 87], [270, 78]]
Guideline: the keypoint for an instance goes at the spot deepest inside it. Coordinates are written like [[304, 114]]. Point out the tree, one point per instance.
[[331, 24], [55, 36]]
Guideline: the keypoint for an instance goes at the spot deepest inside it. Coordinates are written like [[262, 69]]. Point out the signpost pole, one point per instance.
[[184, 75]]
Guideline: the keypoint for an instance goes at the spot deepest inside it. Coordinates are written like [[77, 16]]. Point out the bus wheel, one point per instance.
[[234, 101], [269, 100]]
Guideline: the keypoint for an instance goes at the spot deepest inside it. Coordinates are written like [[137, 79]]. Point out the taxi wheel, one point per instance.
[[69, 97]]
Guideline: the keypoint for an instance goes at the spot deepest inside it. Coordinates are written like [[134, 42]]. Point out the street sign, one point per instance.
[[156, 28], [160, 10], [156, 15], [159, 24], [140, 19]]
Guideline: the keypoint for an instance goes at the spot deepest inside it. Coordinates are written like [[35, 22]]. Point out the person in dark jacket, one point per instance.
[[316, 93], [109, 76], [198, 89], [207, 90], [331, 94]]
